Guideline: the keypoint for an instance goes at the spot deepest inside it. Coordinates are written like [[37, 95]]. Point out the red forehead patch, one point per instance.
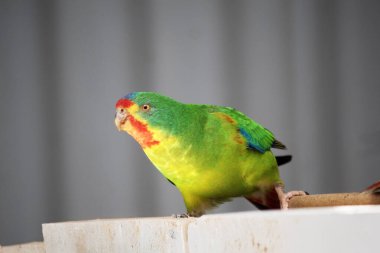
[[124, 103]]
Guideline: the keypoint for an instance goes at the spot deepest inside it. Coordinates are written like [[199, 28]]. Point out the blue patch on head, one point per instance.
[[252, 144], [131, 95]]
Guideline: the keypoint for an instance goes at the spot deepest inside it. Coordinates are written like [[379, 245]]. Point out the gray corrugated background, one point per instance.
[[307, 70]]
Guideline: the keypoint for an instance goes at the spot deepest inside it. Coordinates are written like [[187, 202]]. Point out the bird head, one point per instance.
[[143, 114]]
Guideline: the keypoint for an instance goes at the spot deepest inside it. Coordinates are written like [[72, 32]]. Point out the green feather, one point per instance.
[[257, 136]]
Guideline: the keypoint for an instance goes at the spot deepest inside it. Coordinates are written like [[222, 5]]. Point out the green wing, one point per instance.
[[257, 137]]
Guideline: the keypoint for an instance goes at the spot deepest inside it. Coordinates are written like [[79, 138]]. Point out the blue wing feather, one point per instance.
[[252, 143]]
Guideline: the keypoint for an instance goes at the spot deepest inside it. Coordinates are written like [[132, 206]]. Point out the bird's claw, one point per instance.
[[182, 215], [292, 194], [285, 197]]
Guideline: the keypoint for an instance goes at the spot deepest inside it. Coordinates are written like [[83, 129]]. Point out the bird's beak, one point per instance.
[[120, 118]]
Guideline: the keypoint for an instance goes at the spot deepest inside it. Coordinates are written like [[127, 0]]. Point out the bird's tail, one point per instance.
[[266, 199], [374, 188], [281, 160]]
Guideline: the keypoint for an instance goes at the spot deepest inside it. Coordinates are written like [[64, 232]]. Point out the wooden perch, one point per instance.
[[370, 196], [335, 199]]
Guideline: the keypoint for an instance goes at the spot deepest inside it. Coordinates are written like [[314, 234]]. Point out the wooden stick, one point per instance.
[[335, 199]]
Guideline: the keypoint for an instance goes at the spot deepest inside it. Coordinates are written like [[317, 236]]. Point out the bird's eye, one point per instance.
[[145, 108], [122, 110]]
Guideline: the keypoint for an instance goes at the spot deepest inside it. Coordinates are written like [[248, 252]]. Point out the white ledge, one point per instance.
[[347, 229], [117, 235], [33, 247]]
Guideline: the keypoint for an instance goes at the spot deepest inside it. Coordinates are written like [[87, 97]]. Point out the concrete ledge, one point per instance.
[[346, 229], [119, 235], [33, 247], [340, 229]]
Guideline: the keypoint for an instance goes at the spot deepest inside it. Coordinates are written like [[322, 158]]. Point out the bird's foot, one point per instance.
[[285, 197], [292, 194], [182, 215]]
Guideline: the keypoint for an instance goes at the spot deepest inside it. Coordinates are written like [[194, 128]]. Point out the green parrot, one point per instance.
[[210, 153]]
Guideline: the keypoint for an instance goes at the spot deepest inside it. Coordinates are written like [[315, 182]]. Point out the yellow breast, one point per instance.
[[172, 159]]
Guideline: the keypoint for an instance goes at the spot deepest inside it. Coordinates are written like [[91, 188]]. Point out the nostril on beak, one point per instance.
[[121, 116]]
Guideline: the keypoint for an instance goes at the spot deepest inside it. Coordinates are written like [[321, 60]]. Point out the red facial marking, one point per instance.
[[124, 103], [145, 135]]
